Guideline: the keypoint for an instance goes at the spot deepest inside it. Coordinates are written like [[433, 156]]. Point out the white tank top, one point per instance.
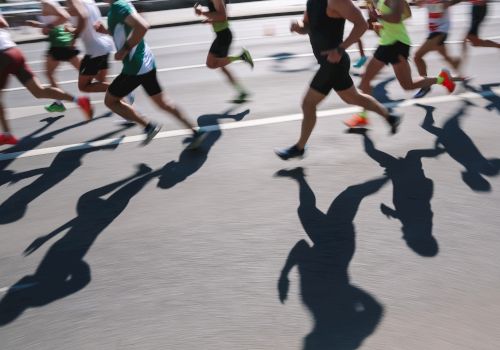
[[5, 40], [439, 16], [96, 44]]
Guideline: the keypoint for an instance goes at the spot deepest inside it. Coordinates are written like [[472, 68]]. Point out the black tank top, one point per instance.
[[325, 33], [211, 6]]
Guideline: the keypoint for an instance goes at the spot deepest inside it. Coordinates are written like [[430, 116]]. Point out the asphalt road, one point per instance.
[[379, 242]]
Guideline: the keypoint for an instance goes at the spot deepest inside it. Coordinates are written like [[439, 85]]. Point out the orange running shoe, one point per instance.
[[7, 139], [448, 80], [356, 121], [84, 104]]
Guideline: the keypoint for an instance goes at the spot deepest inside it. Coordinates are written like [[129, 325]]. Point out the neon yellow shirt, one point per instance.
[[391, 32]]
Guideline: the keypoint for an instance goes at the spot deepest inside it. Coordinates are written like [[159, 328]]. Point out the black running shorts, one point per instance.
[[62, 53], [390, 54], [478, 15], [124, 84], [221, 44], [92, 65], [333, 76], [442, 37]]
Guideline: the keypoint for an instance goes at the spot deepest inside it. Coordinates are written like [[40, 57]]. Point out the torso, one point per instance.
[[6, 41], [96, 44], [439, 18]]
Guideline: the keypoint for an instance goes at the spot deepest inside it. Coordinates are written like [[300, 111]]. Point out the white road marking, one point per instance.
[[240, 124], [20, 286]]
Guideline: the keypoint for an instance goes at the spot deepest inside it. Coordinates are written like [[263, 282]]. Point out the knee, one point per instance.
[[211, 64], [83, 86], [110, 101], [37, 92], [308, 105], [418, 56], [407, 85]]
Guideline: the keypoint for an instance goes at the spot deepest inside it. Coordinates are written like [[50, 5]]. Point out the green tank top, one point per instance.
[[220, 26], [59, 37], [391, 32]]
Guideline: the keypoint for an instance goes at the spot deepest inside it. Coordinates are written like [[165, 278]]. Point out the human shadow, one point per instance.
[[344, 315], [281, 59], [381, 94], [462, 149], [63, 165], [486, 91], [63, 270], [31, 141], [412, 194], [190, 161]]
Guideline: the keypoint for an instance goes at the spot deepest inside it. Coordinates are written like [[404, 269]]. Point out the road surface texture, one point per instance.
[[377, 242]]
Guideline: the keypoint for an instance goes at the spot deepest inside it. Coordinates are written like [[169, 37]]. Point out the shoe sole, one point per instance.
[[151, 136]]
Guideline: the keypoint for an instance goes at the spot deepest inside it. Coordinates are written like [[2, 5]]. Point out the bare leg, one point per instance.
[[168, 106], [50, 65], [309, 104], [86, 83], [373, 68], [428, 46], [38, 91], [214, 62], [123, 109], [353, 97], [403, 74], [3, 120], [476, 41]]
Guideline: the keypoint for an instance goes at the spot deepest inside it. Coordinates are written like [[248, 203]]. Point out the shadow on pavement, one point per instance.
[[486, 90], [280, 64], [412, 194], [34, 140], [63, 165], [191, 161], [344, 315], [63, 270], [462, 149]]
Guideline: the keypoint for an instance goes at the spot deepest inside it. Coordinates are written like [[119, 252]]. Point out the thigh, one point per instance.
[[51, 64], [313, 97], [221, 44], [342, 79], [431, 44], [322, 81], [123, 85], [402, 70], [372, 69], [150, 84]]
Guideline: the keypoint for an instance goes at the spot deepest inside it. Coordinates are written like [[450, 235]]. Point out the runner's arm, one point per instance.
[[3, 22], [219, 15], [300, 27], [347, 10], [139, 28], [397, 9], [75, 8], [100, 28], [49, 9]]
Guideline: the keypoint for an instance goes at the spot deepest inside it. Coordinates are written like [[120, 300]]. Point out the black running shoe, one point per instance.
[[422, 92], [394, 121], [150, 130], [290, 152], [198, 138], [241, 98], [245, 56]]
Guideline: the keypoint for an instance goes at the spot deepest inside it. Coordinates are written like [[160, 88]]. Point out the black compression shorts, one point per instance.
[[221, 44], [333, 76], [442, 36], [63, 53], [478, 15], [92, 65], [124, 84], [390, 54]]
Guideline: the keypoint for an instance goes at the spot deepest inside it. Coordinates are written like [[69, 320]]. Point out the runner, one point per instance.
[[12, 61], [218, 54], [61, 43], [128, 29], [324, 21], [394, 49], [439, 25], [362, 59], [479, 11]]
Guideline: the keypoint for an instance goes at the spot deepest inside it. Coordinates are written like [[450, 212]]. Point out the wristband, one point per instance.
[[340, 50]]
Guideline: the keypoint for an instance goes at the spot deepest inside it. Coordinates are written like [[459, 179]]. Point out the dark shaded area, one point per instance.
[[486, 90], [280, 64], [32, 141], [412, 194], [462, 149], [63, 165], [63, 270], [191, 161], [381, 94], [344, 315]]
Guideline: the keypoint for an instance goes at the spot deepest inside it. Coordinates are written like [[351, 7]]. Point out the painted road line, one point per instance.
[[240, 124]]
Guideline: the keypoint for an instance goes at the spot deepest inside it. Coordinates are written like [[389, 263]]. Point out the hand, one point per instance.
[[374, 14], [332, 56], [31, 23], [283, 286], [197, 9], [296, 26], [121, 54]]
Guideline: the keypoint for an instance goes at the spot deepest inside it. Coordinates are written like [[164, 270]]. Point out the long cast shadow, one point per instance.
[[63, 165], [63, 270], [486, 90], [189, 161], [412, 194], [381, 94], [32, 141], [344, 315], [462, 149]]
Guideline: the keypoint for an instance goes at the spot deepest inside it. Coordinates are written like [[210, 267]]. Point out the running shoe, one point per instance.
[[290, 152], [422, 92], [84, 103], [198, 138], [55, 107], [241, 98], [394, 122], [448, 81], [360, 62], [356, 121], [150, 130], [7, 139], [245, 56]]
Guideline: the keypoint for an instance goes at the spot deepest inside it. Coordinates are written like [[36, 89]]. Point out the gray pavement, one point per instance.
[[196, 252]]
